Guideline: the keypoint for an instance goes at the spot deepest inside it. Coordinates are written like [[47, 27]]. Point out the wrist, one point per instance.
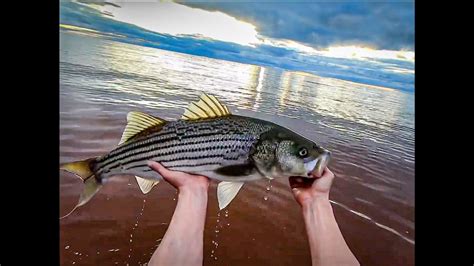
[[193, 191], [315, 202]]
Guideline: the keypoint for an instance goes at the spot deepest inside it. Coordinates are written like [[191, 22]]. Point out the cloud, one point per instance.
[[382, 25], [387, 72]]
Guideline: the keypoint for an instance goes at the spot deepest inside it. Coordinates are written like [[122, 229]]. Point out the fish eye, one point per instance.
[[303, 152]]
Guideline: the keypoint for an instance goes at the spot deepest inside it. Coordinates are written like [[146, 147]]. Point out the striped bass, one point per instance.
[[208, 140]]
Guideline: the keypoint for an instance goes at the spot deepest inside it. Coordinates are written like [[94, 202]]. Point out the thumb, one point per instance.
[[296, 191], [159, 168]]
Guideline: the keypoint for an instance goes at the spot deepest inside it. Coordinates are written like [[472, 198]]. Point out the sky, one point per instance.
[[370, 42]]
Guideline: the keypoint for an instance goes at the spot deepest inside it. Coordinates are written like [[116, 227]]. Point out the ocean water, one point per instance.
[[370, 131]]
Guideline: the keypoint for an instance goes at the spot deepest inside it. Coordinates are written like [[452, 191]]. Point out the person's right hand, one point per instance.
[[306, 190]]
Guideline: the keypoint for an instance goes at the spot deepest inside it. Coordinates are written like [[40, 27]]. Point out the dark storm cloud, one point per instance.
[[381, 25]]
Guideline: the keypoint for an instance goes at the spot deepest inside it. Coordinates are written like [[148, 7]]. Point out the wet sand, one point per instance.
[[369, 130]]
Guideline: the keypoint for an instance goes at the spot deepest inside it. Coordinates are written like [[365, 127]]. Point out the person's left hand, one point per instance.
[[181, 180]]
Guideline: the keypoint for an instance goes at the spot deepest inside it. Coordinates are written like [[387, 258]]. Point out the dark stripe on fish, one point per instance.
[[173, 130], [200, 139], [156, 153], [171, 167], [149, 142]]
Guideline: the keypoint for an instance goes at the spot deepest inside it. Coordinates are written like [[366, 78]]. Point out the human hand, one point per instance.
[[180, 180], [306, 190]]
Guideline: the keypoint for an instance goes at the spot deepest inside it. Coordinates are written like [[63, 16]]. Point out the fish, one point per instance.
[[207, 140]]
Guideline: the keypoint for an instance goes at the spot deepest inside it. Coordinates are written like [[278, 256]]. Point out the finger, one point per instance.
[[327, 173], [300, 182], [296, 191], [160, 169]]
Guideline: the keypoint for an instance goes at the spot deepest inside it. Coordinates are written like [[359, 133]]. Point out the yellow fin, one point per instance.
[[137, 122], [145, 184], [81, 169], [208, 106]]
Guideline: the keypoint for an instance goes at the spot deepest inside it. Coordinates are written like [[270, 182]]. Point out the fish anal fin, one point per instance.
[[145, 184]]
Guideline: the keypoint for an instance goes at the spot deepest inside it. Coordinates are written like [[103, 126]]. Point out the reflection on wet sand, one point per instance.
[[369, 130]]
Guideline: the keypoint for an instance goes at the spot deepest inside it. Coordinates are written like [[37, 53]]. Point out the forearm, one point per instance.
[[183, 241], [326, 242]]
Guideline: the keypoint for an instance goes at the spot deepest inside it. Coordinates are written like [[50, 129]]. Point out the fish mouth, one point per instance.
[[322, 162]]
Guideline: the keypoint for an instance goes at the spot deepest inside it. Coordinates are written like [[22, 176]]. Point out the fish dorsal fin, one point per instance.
[[226, 192], [137, 122], [208, 106], [145, 184]]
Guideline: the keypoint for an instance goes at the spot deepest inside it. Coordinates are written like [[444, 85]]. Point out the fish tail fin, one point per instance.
[[92, 184], [81, 169]]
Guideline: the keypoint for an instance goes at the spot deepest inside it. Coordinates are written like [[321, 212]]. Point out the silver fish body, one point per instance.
[[197, 147], [208, 140]]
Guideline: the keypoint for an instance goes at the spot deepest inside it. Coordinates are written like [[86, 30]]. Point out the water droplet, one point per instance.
[[174, 198], [129, 184], [228, 224], [212, 251], [131, 240], [215, 258], [131, 235], [406, 232], [76, 253], [226, 215], [66, 247], [98, 252], [73, 262], [212, 255], [217, 220], [265, 198], [116, 262], [144, 201], [268, 188], [217, 231]]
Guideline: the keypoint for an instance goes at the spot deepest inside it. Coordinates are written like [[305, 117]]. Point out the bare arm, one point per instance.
[[183, 241], [326, 242]]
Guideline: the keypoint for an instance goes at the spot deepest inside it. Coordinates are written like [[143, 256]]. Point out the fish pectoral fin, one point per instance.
[[226, 192], [208, 106], [145, 184], [236, 170], [138, 122]]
